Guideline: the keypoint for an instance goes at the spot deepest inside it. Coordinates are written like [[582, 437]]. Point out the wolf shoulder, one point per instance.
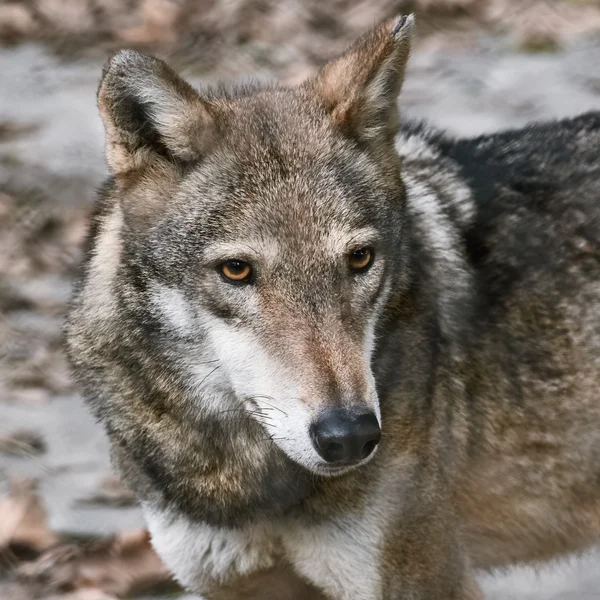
[[544, 166], [533, 193]]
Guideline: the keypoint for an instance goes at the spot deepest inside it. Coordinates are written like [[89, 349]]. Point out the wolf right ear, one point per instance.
[[359, 89], [149, 111]]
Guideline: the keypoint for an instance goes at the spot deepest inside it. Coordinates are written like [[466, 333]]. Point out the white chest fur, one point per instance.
[[200, 555], [340, 558]]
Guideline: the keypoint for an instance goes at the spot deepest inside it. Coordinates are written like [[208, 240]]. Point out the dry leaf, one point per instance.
[[127, 564], [86, 594], [23, 522], [120, 565], [110, 492], [23, 442], [16, 21], [102, 569]]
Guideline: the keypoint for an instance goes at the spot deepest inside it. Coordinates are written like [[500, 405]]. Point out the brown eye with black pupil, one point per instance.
[[361, 260], [236, 271]]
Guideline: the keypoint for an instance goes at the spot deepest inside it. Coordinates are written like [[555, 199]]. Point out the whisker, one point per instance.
[[273, 438], [271, 405], [256, 415], [239, 409], [208, 375]]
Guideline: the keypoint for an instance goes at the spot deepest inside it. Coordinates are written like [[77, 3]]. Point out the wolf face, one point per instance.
[[256, 232], [284, 260]]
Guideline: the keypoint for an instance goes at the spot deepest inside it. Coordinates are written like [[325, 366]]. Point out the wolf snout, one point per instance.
[[343, 435]]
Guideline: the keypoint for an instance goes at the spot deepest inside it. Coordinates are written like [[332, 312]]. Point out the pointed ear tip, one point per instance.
[[404, 26], [126, 57], [126, 60]]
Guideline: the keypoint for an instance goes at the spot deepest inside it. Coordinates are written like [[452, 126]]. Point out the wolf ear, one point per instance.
[[359, 89], [149, 111]]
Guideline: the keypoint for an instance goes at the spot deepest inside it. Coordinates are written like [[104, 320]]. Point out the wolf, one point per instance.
[[339, 355]]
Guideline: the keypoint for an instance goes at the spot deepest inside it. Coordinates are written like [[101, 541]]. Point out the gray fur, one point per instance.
[[475, 336]]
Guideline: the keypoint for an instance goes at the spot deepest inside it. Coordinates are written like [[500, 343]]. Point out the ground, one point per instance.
[[477, 66]]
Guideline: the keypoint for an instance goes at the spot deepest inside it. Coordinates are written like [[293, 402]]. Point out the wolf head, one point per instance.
[[258, 231]]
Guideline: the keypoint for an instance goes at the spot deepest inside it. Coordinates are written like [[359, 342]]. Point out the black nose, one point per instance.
[[341, 435]]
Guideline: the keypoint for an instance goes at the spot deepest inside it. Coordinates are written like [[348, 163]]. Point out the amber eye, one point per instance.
[[361, 260], [236, 271]]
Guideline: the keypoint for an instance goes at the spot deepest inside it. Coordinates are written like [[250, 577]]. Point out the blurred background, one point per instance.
[[68, 529]]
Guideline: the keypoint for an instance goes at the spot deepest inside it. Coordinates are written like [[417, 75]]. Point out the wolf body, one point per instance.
[[472, 338]]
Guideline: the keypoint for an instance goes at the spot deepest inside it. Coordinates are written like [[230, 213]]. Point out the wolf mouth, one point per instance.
[[337, 471]]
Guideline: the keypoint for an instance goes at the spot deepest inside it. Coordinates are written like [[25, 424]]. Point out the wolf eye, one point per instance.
[[361, 260], [236, 271]]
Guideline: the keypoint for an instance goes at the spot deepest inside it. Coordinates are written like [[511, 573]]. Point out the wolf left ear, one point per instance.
[[149, 112], [359, 89]]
